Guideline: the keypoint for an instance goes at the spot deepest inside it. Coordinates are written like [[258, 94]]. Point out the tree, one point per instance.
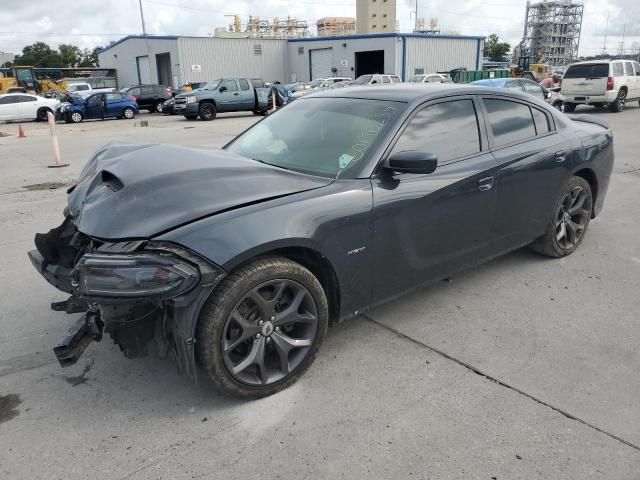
[[90, 57], [70, 55], [495, 49], [39, 55]]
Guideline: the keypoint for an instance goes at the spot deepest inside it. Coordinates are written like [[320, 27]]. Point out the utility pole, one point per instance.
[[146, 38], [606, 28], [415, 26]]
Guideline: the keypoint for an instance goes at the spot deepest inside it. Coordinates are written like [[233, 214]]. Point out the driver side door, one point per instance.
[[428, 226], [228, 98]]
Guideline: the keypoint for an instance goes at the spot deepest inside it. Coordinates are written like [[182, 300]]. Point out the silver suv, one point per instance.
[[601, 83]]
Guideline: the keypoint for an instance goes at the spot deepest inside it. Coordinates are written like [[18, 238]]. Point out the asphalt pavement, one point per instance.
[[521, 368]]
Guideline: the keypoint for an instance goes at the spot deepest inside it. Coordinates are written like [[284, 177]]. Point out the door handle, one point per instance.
[[485, 184], [236, 93], [561, 156]]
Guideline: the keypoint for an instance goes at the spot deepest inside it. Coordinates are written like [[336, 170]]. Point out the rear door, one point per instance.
[[429, 225], [534, 162], [585, 79], [632, 83], [115, 104], [228, 98], [9, 107], [247, 97]]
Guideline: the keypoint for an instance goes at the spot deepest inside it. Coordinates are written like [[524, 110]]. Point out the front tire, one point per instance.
[[74, 117], [159, 107], [207, 111], [570, 220], [619, 103], [262, 327]]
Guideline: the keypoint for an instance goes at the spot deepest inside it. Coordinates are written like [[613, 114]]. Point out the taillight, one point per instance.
[[609, 83], [132, 98]]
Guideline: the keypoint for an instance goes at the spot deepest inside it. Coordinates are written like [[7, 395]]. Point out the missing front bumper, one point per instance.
[[86, 330]]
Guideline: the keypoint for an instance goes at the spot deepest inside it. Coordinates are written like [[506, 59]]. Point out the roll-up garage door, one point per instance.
[[321, 63], [144, 73]]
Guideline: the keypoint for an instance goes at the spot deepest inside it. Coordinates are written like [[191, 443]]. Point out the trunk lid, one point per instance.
[[586, 79]]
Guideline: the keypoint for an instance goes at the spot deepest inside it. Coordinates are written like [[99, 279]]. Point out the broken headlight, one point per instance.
[[148, 275]]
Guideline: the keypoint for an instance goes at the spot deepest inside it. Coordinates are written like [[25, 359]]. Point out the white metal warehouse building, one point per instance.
[[173, 60]]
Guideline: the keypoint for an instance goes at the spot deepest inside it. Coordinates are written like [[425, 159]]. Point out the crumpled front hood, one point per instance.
[[138, 191]]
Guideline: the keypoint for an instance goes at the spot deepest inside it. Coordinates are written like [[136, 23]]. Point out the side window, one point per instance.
[[386, 80], [514, 86], [618, 70], [628, 69], [510, 121], [541, 120], [534, 89], [375, 80], [244, 85], [636, 67], [395, 79], [114, 97], [94, 100], [147, 91], [447, 129], [257, 82], [134, 91], [8, 100], [230, 85], [26, 98]]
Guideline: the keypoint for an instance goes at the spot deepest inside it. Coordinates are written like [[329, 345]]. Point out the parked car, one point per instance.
[[99, 105], [224, 95], [524, 85], [318, 84], [348, 83], [601, 83], [85, 89], [149, 97], [23, 106], [430, 78], [168, 107], [378, 79], [238, 259]]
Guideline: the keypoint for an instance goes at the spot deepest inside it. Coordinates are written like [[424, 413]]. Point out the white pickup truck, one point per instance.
[[83, 89]]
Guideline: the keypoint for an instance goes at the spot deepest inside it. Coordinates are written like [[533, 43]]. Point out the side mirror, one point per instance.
[[223, 89], [547, 94], [412, 161]]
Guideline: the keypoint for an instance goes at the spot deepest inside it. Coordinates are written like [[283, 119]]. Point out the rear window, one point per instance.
[[257, 83], [244, 85], [588, 70]]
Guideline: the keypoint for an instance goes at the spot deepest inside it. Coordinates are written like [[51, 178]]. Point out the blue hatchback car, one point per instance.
[[98, 105]]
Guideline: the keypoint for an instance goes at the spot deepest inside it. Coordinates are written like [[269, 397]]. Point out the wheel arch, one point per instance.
[[590, 176], [310, 258], [208, 100]]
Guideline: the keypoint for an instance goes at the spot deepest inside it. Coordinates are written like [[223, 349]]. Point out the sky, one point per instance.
[[90, 23]]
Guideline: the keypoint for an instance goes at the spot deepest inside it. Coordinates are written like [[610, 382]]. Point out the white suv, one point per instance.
[[378, 79], [601, 83]]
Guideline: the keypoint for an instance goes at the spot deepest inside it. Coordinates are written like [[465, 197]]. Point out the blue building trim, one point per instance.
[[386, 35], [139, 37]]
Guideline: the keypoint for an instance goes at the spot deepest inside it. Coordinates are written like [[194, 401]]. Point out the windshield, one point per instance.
[[588, 70], [319, 136], [316, 83]]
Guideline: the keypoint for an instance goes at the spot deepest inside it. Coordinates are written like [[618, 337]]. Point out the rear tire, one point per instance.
[[570, 220], [252, 338], [128, 113], [619, 103], [207, 111], [569, 107]]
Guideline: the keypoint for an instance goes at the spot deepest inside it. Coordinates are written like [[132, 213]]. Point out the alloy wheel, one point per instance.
[[269, 332], [572, 218], [128, 113], [76, 117], [622, 99]]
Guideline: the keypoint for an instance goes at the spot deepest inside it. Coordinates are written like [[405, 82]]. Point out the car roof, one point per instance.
[[604, 60], [18, 93]]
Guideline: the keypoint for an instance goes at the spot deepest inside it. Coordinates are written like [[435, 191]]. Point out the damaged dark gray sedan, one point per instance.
[[237, 260]]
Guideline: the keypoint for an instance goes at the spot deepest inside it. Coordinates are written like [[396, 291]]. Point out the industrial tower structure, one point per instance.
[[551, 32]]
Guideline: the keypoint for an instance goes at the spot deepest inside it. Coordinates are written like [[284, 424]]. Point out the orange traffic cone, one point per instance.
[[21, 132]]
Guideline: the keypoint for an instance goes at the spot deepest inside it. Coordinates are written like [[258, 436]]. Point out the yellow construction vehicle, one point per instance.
[[528, 68], [24, 77]]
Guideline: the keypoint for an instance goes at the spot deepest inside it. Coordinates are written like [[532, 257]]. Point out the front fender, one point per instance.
[[334, 221]]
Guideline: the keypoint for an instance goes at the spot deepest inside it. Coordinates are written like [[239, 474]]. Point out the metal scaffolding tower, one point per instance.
[[551, 32]]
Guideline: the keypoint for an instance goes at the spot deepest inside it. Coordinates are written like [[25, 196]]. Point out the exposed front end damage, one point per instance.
[[146, 295]]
